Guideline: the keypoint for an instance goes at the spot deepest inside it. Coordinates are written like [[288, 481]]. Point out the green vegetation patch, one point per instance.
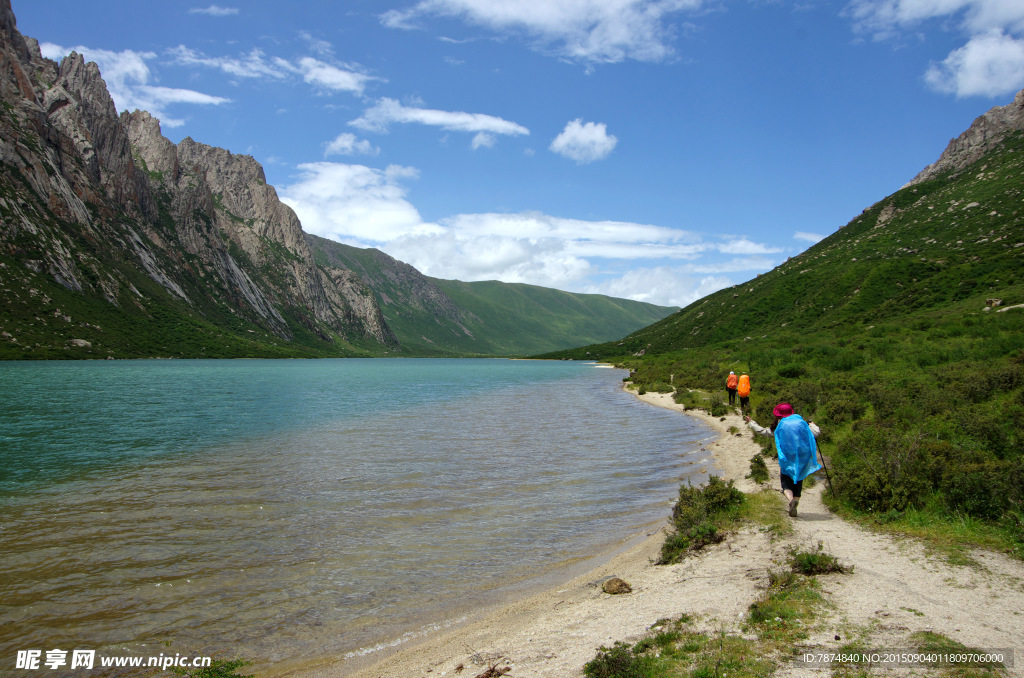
[[758, 469], [218, 668], [673, 650], [816, 562], [781, 615], [697, 515]]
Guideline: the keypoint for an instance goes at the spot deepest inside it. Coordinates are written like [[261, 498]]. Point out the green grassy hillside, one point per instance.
[[433, 317], [519, 319], [883, 334]]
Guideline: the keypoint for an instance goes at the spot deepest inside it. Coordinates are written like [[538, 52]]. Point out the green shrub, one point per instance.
[[694, 517], [718, 407], [758, 469], [804, 397], [781, 579], [843, 409], [985, 490], [792, 371], [1013, 522], [815, 562], [620, 661], [878, 468], [688, 399]]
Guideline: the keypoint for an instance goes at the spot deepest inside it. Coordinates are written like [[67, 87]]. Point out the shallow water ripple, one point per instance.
[[295, 509]]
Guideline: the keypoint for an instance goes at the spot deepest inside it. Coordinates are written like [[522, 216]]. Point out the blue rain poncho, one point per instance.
[[798, 451]]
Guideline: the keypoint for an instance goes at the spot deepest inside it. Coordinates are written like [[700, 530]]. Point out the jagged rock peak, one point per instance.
[[241, 187], [154, 149], [9, 34], [217, 161], [983, 135]]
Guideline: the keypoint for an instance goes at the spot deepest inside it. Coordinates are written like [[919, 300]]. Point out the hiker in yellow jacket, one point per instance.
[[743, 391]]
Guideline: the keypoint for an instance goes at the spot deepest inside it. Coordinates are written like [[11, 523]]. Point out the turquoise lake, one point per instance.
[[293, 510]]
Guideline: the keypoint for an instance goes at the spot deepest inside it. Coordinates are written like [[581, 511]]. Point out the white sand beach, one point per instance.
[[896, 588]]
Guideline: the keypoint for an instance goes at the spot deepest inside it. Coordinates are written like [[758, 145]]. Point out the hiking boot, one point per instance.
[[792, 506]]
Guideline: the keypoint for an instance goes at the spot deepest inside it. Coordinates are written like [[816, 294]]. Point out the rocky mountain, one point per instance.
[[114, 241], [985, 134]]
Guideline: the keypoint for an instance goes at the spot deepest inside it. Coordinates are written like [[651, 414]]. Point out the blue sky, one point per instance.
[[657, 150]]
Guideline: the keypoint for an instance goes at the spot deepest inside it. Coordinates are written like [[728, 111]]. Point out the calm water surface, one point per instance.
[[292, 510]]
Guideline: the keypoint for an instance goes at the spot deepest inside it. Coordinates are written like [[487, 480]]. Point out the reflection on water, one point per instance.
[[285, 542]]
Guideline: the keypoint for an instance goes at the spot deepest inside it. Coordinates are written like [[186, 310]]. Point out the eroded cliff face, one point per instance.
[[985, 133], [92, 199]]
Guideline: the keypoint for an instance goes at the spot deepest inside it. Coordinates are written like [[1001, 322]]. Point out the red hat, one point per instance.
[[783, 410]]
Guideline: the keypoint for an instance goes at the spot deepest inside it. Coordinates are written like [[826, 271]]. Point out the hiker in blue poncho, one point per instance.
[[797, 448]]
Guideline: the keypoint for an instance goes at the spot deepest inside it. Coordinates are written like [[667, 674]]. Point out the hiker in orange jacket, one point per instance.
[[743, 391], [730, 387]]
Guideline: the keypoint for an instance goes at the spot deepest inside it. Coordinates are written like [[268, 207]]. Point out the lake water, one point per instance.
[[288, 511]]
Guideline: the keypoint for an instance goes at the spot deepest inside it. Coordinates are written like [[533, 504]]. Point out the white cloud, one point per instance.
[[256, 64], [746, 246], [483, 140], [989, 65], [457, 256], [335, 78], [347, 143], [535, 225], [354, 202], [387, 111], [321, 47], [662, 285], [591, 31], [809, 237], [584, 142], [365, 207], [884, 16], [251, 65], [215, 10], [127, 76]]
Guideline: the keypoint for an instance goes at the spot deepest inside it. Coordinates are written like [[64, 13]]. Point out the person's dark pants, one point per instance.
[[788, 484], [732, 395], [743, 403]]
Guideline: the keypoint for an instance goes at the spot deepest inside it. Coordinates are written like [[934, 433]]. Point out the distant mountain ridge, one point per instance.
[[444, 317], [116, 242]]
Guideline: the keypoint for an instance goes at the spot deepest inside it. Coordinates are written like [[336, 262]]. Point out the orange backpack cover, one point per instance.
[[732, 381], [744, 386]]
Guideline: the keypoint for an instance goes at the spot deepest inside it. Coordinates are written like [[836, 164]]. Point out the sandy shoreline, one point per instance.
[[897, 588]]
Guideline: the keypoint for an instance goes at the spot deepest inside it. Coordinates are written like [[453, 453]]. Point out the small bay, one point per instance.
[[293, 510]]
